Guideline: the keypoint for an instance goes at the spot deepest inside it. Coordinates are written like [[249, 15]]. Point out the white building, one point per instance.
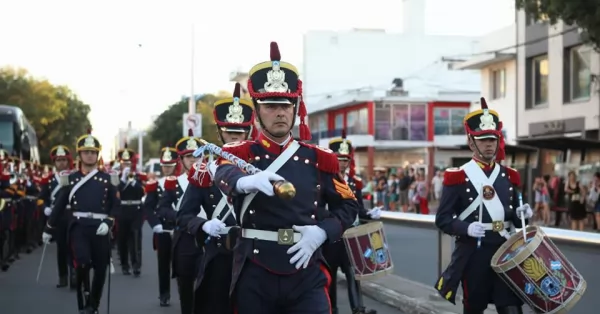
[[498, 76]]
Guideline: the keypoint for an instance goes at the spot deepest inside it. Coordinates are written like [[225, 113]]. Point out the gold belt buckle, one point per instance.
[[497, 226], [285, 236]]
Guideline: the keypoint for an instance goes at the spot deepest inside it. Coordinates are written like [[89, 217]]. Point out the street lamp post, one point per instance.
[[192, 100]]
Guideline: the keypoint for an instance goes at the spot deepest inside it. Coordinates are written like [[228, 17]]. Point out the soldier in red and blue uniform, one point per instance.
[[169, 162], [6, 211], [92, 197], [185, 256], [278, 265], [130, 219], [335, 253], [481, 207], [61, 157], [234, 118]]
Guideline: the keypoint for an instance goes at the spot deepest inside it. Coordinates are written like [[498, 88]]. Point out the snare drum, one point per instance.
[[539, 273], [368, 251]]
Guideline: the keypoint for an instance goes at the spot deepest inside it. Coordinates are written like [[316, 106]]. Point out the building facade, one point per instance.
[[558, 103]]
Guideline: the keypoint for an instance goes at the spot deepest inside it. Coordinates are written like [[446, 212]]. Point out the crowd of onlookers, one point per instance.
[[403, 189], [567, 202], [558, 201]]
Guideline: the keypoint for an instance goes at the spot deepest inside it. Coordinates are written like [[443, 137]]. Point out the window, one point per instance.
[[318, 126], [383, 125], [339, 121], [401, 122], [540, 80], [7, 134], [418, 122], [580, 76], [449, 121], [498, 84], [357, 121]]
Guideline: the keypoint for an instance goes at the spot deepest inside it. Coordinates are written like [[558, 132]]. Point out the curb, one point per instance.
[[428, 302]]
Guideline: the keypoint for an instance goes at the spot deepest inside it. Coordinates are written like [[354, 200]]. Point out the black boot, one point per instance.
[[126, 271], [72, 279], [513, 309], [165, 300], [62, 282], [137, 272], [472, 311]]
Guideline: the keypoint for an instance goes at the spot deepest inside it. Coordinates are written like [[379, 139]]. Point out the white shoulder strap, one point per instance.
[[81, 183], [274, 167]]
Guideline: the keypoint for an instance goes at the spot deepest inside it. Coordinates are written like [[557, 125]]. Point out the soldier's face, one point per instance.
[[188, 161], [167, 170], [343, 164], [486, 147], [230, 137], [88, 157], [277, 118], [61, 163]]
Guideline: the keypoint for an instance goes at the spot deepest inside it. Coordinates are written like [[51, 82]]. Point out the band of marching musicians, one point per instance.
[[263, 224], [92, 196], [480, 207], [130, 219], [335, 254]]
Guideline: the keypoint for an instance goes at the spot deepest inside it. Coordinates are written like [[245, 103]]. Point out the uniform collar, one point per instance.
[[271, 146], [484, 165]]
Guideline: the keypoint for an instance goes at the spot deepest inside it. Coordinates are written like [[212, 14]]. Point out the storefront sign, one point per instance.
[[572, 125]]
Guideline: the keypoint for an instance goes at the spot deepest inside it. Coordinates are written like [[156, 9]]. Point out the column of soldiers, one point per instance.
[[21, 207]]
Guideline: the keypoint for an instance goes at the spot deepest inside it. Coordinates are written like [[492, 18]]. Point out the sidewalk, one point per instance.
[[409, 296]]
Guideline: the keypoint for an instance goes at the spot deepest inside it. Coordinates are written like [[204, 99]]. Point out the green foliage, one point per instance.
[[583, 13], [168, 127], [55, 112], [151, 147]]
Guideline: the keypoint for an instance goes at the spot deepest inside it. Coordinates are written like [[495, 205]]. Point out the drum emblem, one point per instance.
[[550, 286], [488, 192], [378, 246], [534, 269]]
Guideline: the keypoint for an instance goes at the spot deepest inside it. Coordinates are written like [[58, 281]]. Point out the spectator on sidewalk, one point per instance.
[[436, 184], [393, 192], [421, 194], [404, 187]]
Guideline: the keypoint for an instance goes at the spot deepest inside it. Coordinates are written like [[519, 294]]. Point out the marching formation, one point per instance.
[[262, 224]]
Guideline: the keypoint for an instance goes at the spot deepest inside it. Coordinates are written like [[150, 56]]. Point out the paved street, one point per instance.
[[20, 294], [414, 251]]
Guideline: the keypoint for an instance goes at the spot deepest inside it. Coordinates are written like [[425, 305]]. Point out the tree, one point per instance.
[[584, 14], [167, 129], [55, 112]]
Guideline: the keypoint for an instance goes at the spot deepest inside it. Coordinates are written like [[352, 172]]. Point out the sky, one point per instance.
[[131, 59]]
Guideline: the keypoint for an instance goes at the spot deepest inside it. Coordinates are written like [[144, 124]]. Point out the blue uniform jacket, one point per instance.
[[314, 172]]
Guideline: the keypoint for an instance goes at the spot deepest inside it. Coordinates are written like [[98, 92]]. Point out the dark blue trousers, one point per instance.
[[259, 291]]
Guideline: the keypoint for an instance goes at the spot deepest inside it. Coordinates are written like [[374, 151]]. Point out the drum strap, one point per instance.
[[479, 179], [274, 167]]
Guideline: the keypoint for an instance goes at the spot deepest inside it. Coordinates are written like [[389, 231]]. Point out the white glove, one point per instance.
[[213, 227], [46, 237], [47, 211], [124, 174], [157, 229], [312, 238], [28, 184], [524, 209], [476, 230], [375, 213], [260, 182], [102, 229]]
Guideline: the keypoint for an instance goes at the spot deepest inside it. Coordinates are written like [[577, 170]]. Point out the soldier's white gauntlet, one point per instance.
[[260, 182]]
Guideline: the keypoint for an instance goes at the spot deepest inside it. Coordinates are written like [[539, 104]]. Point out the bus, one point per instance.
[[17, 136]]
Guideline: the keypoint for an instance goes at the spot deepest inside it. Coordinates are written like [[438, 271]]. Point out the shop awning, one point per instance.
[[481, 61], [560, 142]]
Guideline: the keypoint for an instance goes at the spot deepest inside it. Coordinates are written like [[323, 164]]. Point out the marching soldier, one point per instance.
[[129, 221], [278, 265], [6, 211], [480, 206], [335, 253], [184, 256], [234, 118], [61, 156], [92, 196], [162, 240]]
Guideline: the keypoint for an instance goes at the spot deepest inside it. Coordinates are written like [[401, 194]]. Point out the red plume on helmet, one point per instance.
[[237, 90], [190, 132]]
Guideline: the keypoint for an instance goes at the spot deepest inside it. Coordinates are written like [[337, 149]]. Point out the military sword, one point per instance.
[[37, 278]]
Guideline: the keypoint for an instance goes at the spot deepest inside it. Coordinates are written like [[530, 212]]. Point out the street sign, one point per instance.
[[194, 122]]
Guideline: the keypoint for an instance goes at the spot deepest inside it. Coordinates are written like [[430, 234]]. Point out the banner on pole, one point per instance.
[[194, 122]]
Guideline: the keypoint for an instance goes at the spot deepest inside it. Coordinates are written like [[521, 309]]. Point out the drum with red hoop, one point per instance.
[[539, 273], [368, 251]]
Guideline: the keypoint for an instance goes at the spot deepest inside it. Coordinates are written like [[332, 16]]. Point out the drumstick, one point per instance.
[[480, 212], [522, 218]]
